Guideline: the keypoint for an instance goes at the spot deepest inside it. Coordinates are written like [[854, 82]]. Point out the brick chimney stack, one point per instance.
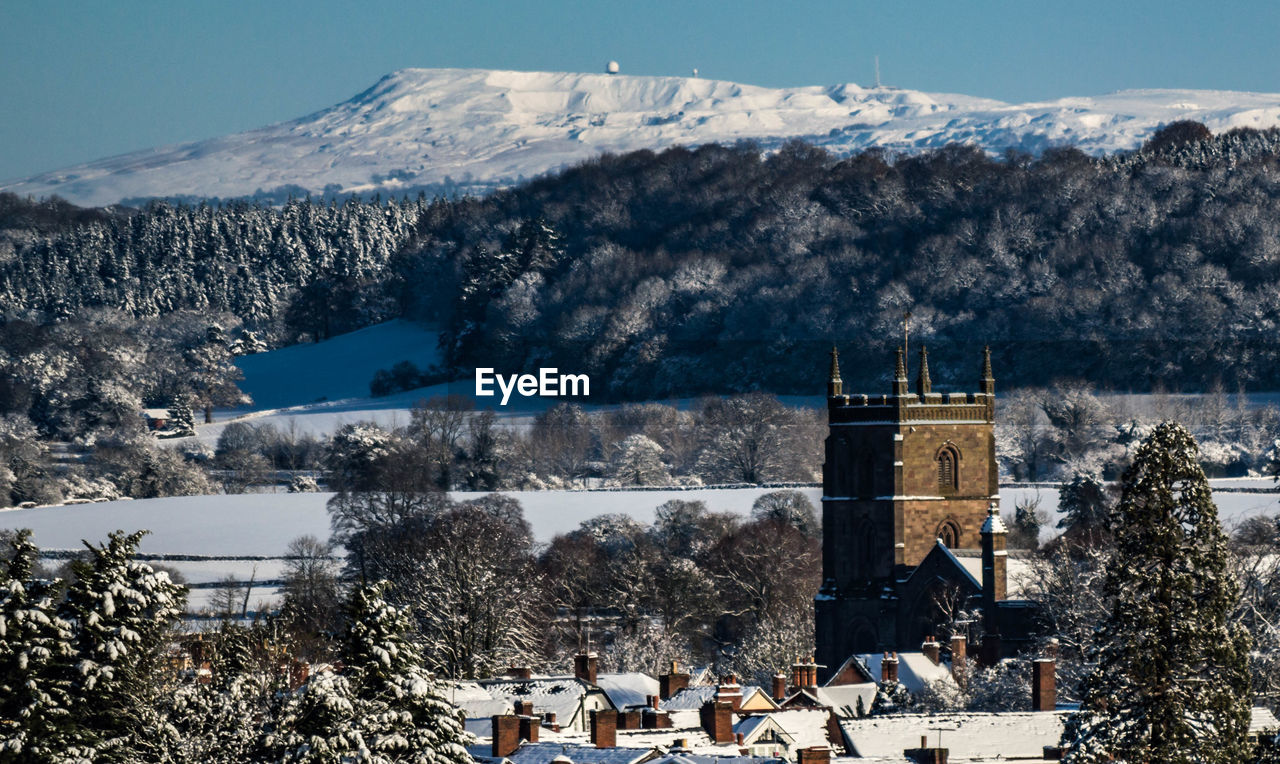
[[813, 755], [520, 672], [584, 667], [506, 735], [1044, 689], [926, 755], [604, 728], [959, 654], [804, 675], [889, 667], [779, 687], [730, 692], [717, 720], [529, 726], [932, 650], [671, 683], [524, 708], [995, 562]]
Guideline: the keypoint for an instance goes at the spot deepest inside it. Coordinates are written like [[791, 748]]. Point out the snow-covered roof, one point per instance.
[[545, 753], [939, 546], [753, 727], [693, 758], [1261, 719], [629, 689], [807, 727], [561, 695], [843, 699], [476, 702], [691, 698], [915, 670], [966, 735]]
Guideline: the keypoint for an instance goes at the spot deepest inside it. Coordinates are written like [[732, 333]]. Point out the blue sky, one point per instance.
[[81, 81]]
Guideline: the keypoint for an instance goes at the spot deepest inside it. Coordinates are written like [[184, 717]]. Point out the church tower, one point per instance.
[[903, 472]]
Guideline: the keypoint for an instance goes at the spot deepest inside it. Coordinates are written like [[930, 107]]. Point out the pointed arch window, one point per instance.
[[948, 459], [949, 534]]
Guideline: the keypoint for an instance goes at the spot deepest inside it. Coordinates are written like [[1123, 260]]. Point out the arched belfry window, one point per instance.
[[949, 534], [948, 459]]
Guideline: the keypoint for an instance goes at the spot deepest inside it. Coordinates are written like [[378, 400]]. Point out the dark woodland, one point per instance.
[[721, 269]]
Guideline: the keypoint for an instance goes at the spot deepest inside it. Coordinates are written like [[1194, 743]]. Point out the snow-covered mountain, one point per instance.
[[468, 129]]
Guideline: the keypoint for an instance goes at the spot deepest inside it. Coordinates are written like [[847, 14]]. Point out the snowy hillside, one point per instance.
[[337, 368], [476, 129]]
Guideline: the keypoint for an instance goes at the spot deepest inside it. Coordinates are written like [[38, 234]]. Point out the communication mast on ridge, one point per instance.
[[877, 71]]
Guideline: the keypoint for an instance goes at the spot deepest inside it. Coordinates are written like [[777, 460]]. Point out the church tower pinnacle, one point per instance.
[[924, 385], [900, 374], [834, 384]]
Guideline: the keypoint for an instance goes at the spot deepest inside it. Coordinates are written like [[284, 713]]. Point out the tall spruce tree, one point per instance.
[[402, 711], [122, 611], [1172, 681], [34, 643]]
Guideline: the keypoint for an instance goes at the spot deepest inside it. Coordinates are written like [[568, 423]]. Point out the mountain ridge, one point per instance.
[[471, 130]]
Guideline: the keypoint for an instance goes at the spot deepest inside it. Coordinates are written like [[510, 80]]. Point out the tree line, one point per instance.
[[721, 269]]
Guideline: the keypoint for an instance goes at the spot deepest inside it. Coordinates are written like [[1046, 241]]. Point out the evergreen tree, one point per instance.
[[1171, 681], [1084, 505], [402, 712], [34, 643], [181, 418], [122, 610]]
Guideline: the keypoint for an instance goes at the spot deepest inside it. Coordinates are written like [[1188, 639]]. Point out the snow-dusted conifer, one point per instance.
[[122, 611], [401, 710], [318, 724], [1171, 682], [34, 644], [222, 717], [182, 420]]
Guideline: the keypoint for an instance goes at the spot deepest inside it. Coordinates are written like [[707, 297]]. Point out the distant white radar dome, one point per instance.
[[611, 67]]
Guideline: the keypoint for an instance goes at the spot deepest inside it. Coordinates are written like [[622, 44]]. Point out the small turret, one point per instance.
[[987, 385], [900, 375], [924, 385], [834, 385]]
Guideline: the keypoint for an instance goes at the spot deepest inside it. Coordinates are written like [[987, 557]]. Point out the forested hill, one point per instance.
[[719, 270]]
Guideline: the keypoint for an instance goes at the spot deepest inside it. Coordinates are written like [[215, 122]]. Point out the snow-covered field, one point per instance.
[[479, 129], [263, 524]]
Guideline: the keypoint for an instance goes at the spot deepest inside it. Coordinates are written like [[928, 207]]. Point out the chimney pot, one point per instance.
[[889, 667], [932, 650], [779, 687]]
